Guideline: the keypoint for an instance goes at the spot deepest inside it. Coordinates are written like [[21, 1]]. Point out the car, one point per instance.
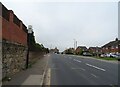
[[107, 55], [113, 55], [116, 55], [102, 55], [87, 54]]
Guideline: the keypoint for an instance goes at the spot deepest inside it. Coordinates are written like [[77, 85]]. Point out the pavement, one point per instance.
[[79, 70], [33, 76]]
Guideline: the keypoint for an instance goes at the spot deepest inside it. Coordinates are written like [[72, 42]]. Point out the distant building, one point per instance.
[[111, 47], [95, 49], [80, 49], [55, 50], [69, 51]]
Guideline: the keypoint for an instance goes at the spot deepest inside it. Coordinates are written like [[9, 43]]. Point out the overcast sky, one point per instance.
[[57, 24]]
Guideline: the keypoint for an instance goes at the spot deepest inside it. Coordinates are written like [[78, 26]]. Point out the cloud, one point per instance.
[[58, 23]]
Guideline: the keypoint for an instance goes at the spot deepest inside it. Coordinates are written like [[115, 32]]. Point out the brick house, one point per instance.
[[80, 48], [13, 30], [69, 51], [111, 47], [95, 50]]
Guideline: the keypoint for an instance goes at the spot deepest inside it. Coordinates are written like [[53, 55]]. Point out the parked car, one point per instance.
[[102, 55], [87, 54], [110, 55], [116, 55], [113, 55]]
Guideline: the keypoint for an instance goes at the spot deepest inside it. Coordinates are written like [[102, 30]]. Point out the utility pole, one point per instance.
[[51, 46], [76, 45]]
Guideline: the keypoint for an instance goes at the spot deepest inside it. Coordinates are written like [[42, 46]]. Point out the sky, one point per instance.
[[59, 23]]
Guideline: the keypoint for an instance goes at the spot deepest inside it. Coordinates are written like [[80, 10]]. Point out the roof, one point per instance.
[[112, 43], [82, 47], [94, 47]]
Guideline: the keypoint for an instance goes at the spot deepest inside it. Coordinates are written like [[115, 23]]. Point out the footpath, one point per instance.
[[32, 76]]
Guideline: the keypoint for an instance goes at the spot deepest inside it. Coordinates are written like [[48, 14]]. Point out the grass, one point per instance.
[[107, 58]]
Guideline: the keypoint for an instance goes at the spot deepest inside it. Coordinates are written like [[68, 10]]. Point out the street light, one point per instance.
[[28, 43]]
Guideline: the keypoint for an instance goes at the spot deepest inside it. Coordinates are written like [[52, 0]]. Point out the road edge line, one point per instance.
[[43, 76]]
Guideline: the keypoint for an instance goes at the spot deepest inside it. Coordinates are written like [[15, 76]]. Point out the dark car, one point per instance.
[[87, 54]]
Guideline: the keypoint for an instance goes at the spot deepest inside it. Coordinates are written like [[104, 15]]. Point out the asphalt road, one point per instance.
[[74, 70]]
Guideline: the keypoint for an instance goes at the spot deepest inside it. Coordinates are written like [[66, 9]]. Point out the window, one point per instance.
[[112, 47], [116, 47]]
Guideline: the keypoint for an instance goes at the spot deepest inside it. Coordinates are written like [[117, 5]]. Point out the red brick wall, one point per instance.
[[110, 50], [0, 28], [12, 32]]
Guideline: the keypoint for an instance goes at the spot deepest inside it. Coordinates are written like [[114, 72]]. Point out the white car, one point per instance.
[[102, 55]]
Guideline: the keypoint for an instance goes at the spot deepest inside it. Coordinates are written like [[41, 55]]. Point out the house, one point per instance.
[[55, 50], [80, 49], [95, 50], [111, 47], [69, 51]]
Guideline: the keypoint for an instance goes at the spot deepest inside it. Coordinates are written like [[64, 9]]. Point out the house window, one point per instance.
[[112, 47]]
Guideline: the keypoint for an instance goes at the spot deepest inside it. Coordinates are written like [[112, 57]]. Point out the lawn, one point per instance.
[[107, 58]]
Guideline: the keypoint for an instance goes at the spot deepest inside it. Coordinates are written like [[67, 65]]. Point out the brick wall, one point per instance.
[[0, 44], [13, 29]]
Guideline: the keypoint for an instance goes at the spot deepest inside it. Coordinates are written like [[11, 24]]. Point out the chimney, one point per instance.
[[11, 15], [21, 24]]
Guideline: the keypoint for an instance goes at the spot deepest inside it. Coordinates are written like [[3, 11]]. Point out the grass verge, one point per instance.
[[107, 58]]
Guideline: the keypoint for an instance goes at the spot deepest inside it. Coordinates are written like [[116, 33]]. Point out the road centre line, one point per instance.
[[79, 68], [94, 75], [95, 67], [77, 60]]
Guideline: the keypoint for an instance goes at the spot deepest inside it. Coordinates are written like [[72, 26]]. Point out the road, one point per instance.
[[78, 70]]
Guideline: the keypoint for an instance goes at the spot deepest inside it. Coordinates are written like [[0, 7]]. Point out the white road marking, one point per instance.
[[79, 68], [76, 60], [94, 75], [95, 67], [79, 61], [47, 77]]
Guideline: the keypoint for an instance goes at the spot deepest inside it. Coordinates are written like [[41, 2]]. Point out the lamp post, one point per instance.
[[28, 44], [119, 50]]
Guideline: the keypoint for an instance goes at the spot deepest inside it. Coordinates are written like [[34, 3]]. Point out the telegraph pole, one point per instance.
[[74, 44]]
